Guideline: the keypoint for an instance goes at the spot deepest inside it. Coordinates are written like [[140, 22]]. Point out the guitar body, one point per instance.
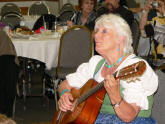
[[87, 111]]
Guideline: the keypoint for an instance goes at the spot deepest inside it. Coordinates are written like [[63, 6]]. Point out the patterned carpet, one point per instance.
[[43, 123]]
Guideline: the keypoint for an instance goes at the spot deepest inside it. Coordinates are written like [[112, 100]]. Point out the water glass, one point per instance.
[[46, 25]]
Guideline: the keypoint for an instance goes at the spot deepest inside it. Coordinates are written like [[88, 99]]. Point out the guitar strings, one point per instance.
[[92, 90]]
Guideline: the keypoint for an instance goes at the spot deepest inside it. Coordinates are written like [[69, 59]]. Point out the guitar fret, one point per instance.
[[92, 91]]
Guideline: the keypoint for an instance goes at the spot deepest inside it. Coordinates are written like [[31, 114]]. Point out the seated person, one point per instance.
[[8, 74], [154, 16], [49, 18], [116, 7], [86, 16], [124, 102]]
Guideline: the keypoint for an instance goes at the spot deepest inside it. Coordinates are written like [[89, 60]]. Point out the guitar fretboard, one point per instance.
[[92, 91]]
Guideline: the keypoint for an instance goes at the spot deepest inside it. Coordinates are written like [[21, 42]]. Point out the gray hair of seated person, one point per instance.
[[112, 21]]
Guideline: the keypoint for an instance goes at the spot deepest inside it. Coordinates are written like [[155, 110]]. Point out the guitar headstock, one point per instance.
[[132, 71]]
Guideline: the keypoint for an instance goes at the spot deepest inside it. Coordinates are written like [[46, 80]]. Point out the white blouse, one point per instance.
[[134, 92]]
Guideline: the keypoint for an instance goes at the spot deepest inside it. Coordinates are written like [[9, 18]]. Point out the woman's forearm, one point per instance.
[[126, 112]]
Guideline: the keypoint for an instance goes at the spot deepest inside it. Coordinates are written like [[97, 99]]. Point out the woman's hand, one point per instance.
[[66, 102], [161, 7], [112, 87], [69, 23]]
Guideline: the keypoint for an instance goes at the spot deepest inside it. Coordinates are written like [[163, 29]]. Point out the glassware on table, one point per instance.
[[54, 26], [60, 30], [46, 25], [65, 28]]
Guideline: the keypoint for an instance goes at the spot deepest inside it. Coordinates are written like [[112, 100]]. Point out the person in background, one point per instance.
[[155, 16], [5, 120], [124, 102], [116, 7], [8, 74], [86, 16]]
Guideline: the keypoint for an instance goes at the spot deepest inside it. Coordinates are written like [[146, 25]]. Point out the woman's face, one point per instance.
[[106, 40], [87, 6]]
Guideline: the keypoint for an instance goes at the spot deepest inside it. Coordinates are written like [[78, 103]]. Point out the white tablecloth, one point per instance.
[[45, 50]]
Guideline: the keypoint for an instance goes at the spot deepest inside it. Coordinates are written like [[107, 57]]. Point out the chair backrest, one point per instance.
[[75, 48], [135, 35], [10, 7], [66, 7], [11, 18], [38, 8], [66, 15], [45, 18]]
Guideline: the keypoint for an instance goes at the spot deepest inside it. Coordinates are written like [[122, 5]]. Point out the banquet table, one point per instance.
[[43, 48]]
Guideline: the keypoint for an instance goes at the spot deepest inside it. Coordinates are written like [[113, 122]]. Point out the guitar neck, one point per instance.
[[92, 91]]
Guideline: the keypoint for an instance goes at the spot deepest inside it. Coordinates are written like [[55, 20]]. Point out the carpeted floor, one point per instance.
[[35, 111], [42, 123]]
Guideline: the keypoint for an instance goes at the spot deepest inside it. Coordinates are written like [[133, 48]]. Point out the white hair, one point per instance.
[[116, 22]]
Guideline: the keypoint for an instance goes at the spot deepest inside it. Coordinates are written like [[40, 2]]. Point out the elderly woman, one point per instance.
[[86, 16], [124, 102]]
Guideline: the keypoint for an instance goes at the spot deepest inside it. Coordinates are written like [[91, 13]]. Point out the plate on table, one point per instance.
[[19, 35]]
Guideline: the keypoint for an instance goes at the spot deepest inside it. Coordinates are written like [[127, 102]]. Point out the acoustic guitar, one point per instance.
[[89, 98]]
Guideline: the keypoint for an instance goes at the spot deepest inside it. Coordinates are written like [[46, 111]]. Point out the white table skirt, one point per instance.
[[45, 50]]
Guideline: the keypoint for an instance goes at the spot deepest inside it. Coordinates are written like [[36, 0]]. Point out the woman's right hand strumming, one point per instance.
[[66, 102]]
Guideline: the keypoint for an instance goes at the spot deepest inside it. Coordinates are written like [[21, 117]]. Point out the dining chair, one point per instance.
[[75, 48], [10, 7], [31, 79], [12, 19], [66, 7], [66, 15], [38, 8]]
